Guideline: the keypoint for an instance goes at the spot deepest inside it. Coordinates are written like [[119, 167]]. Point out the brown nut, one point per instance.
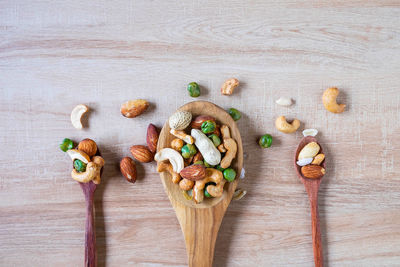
[[329, 100], [193, 172], [318, 159], [134, 108], [198, 121], [197, 157], [152, 138], [312, 171], [88, 146], [177, 144], [128, 169], [221, 148], [186, 184], [142, 153], [229, 85]]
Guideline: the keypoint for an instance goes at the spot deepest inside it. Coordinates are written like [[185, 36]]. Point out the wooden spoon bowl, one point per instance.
[[312, 187], [200, 222]]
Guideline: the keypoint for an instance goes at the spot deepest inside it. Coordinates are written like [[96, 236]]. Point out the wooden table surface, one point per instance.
[[56, 54]]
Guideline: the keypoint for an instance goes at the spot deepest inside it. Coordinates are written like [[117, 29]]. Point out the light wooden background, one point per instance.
[[56, 54]]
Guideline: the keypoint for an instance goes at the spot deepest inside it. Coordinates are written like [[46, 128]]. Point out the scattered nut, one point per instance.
[[282, 125], [329, 100], [309, 151], [193, 172], [128, 169], [88, 146], [77, 154], [313, 171], [134, 108], [284, 101], [152, 138], [239, 194], [182, 135], [180, 120], [142, 153], [177, 144], [186, 184], [198, 121], [229, 85], [77, 114], [173, 156], [318, 159], [165, 166], [310, 132], [304, 162]]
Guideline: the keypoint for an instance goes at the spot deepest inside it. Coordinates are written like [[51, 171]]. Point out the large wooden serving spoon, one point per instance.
[[312, 186], [200, 222]]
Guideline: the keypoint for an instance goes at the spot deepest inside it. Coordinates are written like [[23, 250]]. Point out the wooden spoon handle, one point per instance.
[[90, 235], [316, 231]]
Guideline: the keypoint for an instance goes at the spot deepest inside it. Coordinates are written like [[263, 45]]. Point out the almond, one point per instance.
[[197, 157], [134, 108], [142, 153], [88, 146], [193, 172], [198, 121], [128, 169], [152, 138], [312, 171]]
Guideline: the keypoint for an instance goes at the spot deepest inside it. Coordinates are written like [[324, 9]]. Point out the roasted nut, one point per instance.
[[152, 138], [92, 171], [193, 172], [282, 125], [128, 169], [198, 121], [180, 120], [329, 100], [212, 175], [186, 184], [182, 135], [312, 171], [164, 166], [77, 114], [77, 154], [173, 156], [229, 85], [197, 157], [134, 108], [230, 145], [142, 153], [309, 151], [88, 146], [221, 148], [177, 144], [318, 159]]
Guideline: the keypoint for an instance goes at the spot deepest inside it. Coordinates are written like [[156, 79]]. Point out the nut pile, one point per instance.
[[310, 160], [87, 164], [200, 162]]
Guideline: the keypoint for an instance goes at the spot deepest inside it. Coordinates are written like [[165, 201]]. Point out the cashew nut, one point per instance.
[[77, 114], [230, 145], [186, 184], [182, 135], [221, 148], [173, 156], [206, 147], [78, 154], [329, 100], [282, 125], [100, 162], [164, 166], [212, 175], [92, 172]]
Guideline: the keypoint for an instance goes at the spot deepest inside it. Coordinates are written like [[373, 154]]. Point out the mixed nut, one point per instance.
[[195, 160], [310, 159]]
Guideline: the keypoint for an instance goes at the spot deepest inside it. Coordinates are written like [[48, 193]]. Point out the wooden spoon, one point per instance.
[[312, 186], [200, 222], [90, 233]]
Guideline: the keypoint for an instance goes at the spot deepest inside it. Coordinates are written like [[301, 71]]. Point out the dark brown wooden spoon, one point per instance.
[[312, 186], [90, 233]]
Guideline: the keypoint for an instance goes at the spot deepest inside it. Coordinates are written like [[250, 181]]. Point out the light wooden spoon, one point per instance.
[[312, 186], [200, 222]]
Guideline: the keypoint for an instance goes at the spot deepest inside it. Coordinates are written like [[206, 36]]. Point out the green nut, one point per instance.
[[193, 89], [208, 127], [188, 150], [66, 145], [199, 162], [235, 114], [220, 168], [215, 139], [229, 174], [79, 165], [265, 141]]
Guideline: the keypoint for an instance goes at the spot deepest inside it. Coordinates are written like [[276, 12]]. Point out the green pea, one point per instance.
[[229, 174], [235, 114], [199, 162], [265, 141], [206, 194], [208, 165], [79, 165], [220, 168], [215, 139], [194, 89], [188, 150], [66, 145], [208, 127]]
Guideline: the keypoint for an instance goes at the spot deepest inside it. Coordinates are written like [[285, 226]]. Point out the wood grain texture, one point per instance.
[[56, 54], [200, 222]]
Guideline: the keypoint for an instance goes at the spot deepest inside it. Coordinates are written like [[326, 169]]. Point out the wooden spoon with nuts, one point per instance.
[[200, 222], [312, 187]]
